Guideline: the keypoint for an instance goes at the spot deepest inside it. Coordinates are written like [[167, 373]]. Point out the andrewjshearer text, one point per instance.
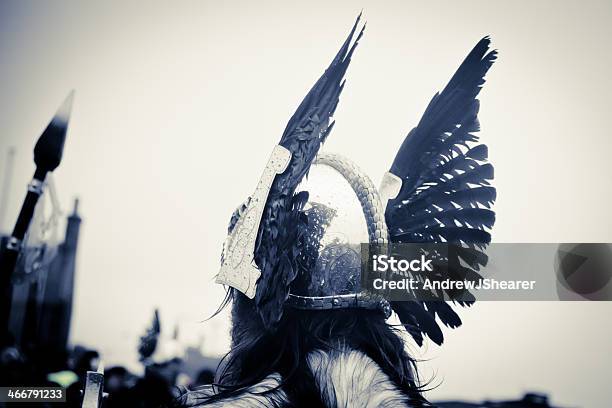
[[448, 284]]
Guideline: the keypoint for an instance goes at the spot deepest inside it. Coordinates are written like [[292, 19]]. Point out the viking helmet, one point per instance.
[[284, 248]]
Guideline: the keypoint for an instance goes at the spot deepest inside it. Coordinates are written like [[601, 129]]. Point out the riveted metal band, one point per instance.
[[13, 244], [36, 186], [351, 301]]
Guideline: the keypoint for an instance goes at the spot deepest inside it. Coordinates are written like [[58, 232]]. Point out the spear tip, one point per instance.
[[50, 146], [63, 113]]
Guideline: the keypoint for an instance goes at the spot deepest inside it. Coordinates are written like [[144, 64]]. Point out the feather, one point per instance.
[[417, 316], [452, 166], [446, 234], [445, 313], [473, 217], [468, 198]]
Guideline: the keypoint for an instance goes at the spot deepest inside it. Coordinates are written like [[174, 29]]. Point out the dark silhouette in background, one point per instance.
[[529, 400]]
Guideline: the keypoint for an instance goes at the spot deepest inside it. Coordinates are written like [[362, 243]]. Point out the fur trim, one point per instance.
[[251, 398], [349, 378], [344, 378]]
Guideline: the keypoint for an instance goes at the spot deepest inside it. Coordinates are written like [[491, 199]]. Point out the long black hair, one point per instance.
[[256, 352]]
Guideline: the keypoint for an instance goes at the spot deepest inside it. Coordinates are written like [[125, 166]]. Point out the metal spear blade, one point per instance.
[[50, 145]]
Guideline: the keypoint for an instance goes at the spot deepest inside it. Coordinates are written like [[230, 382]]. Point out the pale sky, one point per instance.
[[177, 108]]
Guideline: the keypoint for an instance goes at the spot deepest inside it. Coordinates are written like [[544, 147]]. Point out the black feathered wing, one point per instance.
[[445, 194], [283, 222]]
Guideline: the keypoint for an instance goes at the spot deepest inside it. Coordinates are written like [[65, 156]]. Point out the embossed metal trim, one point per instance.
[[354, 300], [238, 269], [36, 186]]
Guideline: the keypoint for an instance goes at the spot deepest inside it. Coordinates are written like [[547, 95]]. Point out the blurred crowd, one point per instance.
[[122, 388], [164, 372]]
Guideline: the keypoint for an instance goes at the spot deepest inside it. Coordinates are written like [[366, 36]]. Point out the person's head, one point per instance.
[[84, 360], [114, 379]]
